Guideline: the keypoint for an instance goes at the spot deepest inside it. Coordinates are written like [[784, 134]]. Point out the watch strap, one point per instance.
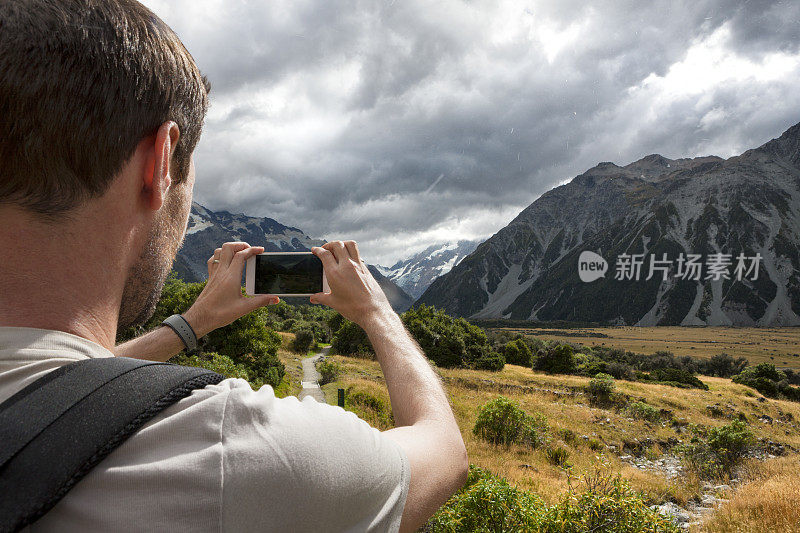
[[181, 327]]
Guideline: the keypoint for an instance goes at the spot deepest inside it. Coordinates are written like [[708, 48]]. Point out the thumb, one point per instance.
[[321, 298], [261, 300]]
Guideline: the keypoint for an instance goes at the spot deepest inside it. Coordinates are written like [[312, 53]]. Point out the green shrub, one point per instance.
[[502, 422], [517, 352], [351, 340], [303, 340], [763, 377], [600, 388], [567, 435], [595, 445], [556, 359], [642, 411], [677, 377], [556, 455], [451, 342], [488, 503], [716, 452], [601, 503], [370, 407], [215, 362], [329, 370]]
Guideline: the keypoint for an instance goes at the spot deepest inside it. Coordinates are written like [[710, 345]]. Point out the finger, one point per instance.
[[217, 252], [337, 249], [352, 249], [323, 298], [261, 300], [229, 249], [212, 266], [327, 258], [243, 255]]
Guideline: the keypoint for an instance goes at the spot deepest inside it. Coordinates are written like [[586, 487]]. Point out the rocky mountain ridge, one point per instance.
[[748, 204]]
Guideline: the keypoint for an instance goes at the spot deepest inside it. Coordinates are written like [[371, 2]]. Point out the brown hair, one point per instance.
[[82, 82]]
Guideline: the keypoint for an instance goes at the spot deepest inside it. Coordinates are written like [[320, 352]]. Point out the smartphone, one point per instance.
[[285, 274]]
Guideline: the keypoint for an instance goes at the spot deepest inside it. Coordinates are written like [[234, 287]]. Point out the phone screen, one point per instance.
[[299, 273]]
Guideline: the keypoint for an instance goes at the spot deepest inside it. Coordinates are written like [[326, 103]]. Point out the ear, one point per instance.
[[157, 169]]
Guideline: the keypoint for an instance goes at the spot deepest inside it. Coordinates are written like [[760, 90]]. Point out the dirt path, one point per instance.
[[311, 377]]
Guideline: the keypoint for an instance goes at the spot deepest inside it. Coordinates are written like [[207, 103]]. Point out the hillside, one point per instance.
[[208, 229], [747, 204], [642, 451]]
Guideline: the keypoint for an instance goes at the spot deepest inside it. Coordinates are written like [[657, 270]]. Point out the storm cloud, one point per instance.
[[405, 123]]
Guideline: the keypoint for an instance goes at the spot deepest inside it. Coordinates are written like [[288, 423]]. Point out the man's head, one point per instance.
[[84, 85]]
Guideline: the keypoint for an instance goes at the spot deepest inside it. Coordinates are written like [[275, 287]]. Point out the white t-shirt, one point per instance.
[[226, 458]]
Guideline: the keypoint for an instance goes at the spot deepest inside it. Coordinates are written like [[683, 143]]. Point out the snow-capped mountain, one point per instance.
[[416, 273], [208, 229], [738, 218]]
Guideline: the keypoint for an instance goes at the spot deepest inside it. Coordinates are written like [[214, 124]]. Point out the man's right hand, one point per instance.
[[354, 292]]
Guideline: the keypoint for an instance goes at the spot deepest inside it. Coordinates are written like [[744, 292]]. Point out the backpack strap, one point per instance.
[[55, 430]]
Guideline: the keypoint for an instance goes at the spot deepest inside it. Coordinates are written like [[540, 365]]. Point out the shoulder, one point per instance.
[[313, 466]]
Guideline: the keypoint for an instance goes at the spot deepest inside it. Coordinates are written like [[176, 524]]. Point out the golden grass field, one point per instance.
[[767, 499], [780, 346]]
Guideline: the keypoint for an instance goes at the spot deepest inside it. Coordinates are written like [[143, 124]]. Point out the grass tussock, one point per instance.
[[769, 500]]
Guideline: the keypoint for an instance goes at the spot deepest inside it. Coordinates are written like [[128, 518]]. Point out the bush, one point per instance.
[[303, 340], [329, 370], [715, 452], [556, 359], [642, 411], [600, 388], [763, 377], [723, 365], [677, 377], [601, 503], [517, 352], [556, 456], [502, 422], [370, 404], [215, 362], [451, 342], [487, 503], [351, 340], [594, 445]]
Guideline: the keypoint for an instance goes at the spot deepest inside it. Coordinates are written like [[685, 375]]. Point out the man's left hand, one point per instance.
[[222, 301]]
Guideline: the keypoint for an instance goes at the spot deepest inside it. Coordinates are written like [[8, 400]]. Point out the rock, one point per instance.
[[677, 514]]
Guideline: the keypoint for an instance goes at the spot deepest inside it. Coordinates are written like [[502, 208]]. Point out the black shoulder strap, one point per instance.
[[55, 430]]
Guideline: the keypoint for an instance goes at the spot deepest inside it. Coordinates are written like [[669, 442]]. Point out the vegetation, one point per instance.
[[303, 341], [451, 342], [715, 452], [502, 422], [245, 348], [517, 352], [329, 370], [769, 381], [642, 411], [600, 388], [601, 502]]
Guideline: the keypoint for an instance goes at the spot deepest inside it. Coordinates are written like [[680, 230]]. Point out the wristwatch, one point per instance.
[[181, 327]]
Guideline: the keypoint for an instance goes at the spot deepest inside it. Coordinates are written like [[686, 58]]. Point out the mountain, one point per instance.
[[747, 204], [208, 229], [416, 273]]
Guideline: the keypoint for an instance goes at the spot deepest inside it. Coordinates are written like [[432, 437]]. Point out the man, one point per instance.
[[100, 110]]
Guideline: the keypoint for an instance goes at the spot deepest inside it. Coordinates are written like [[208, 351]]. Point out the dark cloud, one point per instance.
[[401, 123]]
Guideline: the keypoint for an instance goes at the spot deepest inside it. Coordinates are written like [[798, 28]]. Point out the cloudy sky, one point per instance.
[[402, 123]]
